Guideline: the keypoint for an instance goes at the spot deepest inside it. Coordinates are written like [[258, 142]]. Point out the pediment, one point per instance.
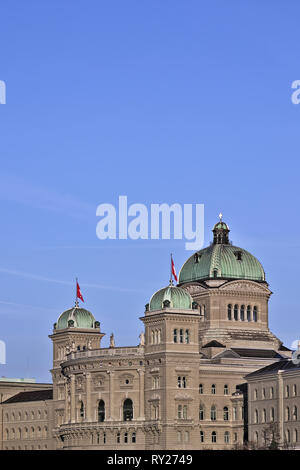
[[227, 354], [194, 288], [245, 286]]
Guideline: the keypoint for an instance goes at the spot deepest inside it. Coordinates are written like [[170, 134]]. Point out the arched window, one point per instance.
[[179, 438], [236, 312], [133, 438], [256, 437], [272, 414], [295, 413], [32, 431], [214, 437], [128, 410], [288, 435], [126, 437], [201, 436], [225, 389], [118, 438], [101, 411], [248, 313], [287, 414], [264, 416], [152, 337], [287, 391], [201, 389], [295, 435], [213, 413], [213, 389], [226, 437], [229, 312], [271, 392], [255, 416], [19, 433], [104, 438], [295, 390], [242, 313], [254, 313], [255, 394], [81, 410], [226, 413], [39, 431], [201, 412]]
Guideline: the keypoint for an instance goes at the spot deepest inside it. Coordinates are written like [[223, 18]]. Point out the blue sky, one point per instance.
[[172, 101]]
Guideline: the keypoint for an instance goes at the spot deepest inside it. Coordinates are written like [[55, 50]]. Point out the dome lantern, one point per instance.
[[221, 232]]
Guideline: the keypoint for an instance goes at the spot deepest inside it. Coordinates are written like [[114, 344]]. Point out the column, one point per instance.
[[141, 394], [111, 394], [280, 406], [88, 397], [67, 417], [73, 403]]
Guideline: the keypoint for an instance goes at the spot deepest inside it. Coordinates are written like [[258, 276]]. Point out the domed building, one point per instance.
[[183, 386]]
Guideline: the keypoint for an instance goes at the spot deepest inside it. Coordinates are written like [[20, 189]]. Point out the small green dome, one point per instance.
[[178, 298], [81, 317], [221, 225]]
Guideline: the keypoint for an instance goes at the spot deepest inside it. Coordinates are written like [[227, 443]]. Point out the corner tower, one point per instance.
[[75, 330], [171, 368]]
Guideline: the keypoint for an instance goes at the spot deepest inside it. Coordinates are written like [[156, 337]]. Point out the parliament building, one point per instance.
[[207, 373]]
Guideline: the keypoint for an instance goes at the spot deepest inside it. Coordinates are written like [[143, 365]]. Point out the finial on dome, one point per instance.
[[220, 216]]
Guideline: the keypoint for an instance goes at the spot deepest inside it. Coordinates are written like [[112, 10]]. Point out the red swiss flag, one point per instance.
[[79, 294], [173, 269]]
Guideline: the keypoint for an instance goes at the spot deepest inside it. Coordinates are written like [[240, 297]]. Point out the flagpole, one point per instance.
[[171, 280], [76, 301]]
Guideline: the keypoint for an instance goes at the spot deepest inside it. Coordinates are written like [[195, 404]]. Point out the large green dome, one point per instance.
[[81, 317], [177, 298], [221, 260]]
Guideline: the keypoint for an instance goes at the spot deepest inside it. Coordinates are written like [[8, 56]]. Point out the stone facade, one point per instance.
[[183, 387], [274, 406]]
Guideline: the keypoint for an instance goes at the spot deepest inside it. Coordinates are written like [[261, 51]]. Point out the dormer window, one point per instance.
[[197, 257], [238, 255]]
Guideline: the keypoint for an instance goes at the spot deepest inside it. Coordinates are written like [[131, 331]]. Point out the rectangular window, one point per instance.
[[187, 336], [179, 412], [181, 335], [185, 412], [175, 335]]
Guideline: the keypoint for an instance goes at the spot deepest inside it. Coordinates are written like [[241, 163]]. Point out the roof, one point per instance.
[[32, 395], [263, 353], [80, 317], [176, 296], [286, 364], [221, 261], [214, 344]]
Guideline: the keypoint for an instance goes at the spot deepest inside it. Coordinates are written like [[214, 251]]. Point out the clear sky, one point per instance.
[[171, 101]]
